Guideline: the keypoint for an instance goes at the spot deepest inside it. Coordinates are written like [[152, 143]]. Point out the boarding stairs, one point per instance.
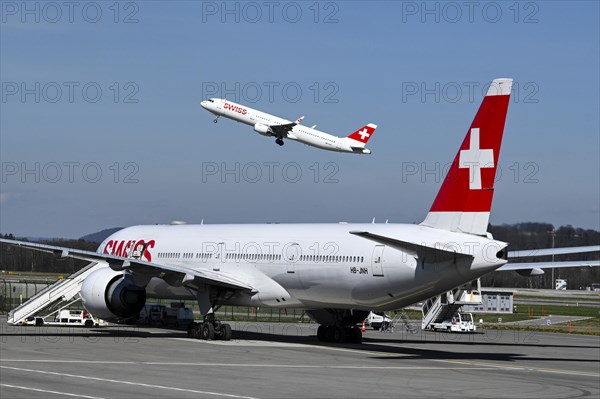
[[54, 296], [445, 306]]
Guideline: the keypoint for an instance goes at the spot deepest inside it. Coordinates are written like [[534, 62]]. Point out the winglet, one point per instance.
[[299, 120]]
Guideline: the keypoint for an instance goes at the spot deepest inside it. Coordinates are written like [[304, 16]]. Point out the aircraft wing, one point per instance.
[[284, 130], [425, 253], [548, 265], [524, 253], [139, 266], [535, 268]]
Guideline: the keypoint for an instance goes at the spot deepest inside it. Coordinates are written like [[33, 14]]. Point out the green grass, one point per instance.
[[32, 275], [562, 328], [557, 310], [587, 323], [580, 298]]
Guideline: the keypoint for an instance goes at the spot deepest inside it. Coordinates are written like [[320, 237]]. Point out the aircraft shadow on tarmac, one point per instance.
[[384, 348]]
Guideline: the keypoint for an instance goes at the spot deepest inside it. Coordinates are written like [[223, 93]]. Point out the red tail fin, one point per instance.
[[465, 198], [364, 133]]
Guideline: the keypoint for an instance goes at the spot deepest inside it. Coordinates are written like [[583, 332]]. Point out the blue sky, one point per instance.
[[101, 125]]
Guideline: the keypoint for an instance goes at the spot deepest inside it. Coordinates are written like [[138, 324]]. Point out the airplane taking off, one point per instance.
[[337, 272], [270, 125]]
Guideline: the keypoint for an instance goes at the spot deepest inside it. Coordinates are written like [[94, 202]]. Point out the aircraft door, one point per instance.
[[291, 255], [218, 257], [377, 260]]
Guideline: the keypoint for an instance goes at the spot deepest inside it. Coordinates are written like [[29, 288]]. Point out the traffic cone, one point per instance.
[[363, 329]]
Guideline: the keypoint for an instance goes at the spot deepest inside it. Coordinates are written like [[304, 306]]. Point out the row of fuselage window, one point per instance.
[[317, 136], [258, 257]]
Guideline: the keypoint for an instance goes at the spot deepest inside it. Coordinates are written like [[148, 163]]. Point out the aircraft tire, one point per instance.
[[339, 335], [226, 332], [208, 331], [355, 335], [322, 333]]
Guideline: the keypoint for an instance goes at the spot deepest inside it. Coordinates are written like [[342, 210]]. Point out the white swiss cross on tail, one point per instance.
[[475, 158], [363, 133]]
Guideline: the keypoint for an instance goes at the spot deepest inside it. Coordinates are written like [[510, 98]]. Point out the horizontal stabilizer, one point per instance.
[[422, 252], [361, 150]]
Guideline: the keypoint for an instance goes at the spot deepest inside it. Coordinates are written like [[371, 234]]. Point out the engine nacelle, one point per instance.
[[262, 129], [107, 294]]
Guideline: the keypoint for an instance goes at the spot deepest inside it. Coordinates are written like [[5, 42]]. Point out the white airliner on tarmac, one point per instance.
[[337, 272], [270, 125]]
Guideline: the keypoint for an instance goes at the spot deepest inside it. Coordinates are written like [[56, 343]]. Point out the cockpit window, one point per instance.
[[211, 100]]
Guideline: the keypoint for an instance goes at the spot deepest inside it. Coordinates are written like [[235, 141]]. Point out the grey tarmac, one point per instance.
[[271, 360]]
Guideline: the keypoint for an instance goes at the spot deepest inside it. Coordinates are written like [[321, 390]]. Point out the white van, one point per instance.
[[378, 321], [74, 317]]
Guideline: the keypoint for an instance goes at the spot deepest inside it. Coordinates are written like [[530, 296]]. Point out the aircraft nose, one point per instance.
[[203, 104]]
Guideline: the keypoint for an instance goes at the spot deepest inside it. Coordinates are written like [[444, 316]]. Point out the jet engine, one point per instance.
[[262, 129], [111, 296]]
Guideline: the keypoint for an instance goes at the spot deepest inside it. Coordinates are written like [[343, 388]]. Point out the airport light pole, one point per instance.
[[553, 234]]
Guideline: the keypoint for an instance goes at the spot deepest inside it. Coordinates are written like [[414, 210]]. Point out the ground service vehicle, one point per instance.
[[378, 321], [461, 322]]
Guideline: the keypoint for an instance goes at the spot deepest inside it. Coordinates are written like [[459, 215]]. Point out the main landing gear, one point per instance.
[[279, 141], [339, 334], [210, 329], [338, 325]]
